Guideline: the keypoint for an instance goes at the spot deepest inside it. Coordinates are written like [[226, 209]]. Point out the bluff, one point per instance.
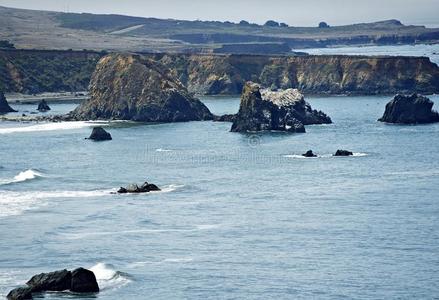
[[329, 74], [284, 110], [132, 87]]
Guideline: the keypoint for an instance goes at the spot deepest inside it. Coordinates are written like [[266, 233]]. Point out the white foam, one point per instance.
[[50, 127], [22, 176], [296, 156], [178, 260], [107, 277], [208, 226], [15, 203], [163, 150], [359, 154]]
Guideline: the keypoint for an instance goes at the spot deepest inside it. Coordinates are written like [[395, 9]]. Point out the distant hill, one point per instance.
[[56, 30]]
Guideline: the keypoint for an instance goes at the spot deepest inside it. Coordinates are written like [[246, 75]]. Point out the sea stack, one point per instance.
[[413, 109], [4, 105], [43, 106], [133, 87], [100, 134], [284, 110]]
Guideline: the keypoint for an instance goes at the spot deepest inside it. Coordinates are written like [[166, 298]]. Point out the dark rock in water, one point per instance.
[[284, 110], [99, 134], [225, 118], [43, 106], [134, 188], [21, 293], [53, 281], [343, 153], [4, 105], [414, 109], [309, 153], [133, 87], [83, 281]]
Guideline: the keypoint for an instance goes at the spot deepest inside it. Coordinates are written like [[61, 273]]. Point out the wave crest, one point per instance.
[[23, 176], [109, 278]]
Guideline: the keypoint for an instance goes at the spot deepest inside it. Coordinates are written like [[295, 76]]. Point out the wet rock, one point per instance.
[[413, 109], [20, 293], [43, 106], [309, 153], [99, 134], [83, 281], [134, 188], [53, 281], [343, 153], [284, 110], [225, 118], [4, 105]]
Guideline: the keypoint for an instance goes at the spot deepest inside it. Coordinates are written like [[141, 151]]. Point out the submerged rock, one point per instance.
[[133, 87], [414, 109], [134, 188], [309, 153], [4, 105], [99, 134], [284, 110], [20, 293], [83, 281], [43, 106], [343, 153]]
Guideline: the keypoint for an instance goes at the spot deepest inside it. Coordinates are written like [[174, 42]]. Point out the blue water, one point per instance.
[[241, 216]]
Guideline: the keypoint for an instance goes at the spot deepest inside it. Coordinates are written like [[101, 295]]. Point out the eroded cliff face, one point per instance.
[[210, 74], [132, 87]]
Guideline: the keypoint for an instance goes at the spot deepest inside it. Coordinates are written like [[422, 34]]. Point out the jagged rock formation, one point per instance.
[[4, 105], [343, 153], [79, 280], [414, 109], [134, 188], [269, 110], [132, 87], [309, 153], [99, 134], [43, 106]]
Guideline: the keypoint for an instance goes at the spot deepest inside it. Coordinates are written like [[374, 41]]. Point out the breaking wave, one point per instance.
[[22, 176], [109, 278]]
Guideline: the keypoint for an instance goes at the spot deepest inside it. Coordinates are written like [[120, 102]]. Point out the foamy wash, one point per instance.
[[239, 215]]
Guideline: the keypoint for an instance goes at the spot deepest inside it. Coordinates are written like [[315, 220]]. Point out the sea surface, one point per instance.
[[431, 51], [240, 216]]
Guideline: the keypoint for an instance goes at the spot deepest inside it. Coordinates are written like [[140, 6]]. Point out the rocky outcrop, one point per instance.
[[343, 153], [4, 105], [99, 134], [132, 87], [309, 153], [79, 281], [135, 189], [414, 109], [43, 106], [284, 110]]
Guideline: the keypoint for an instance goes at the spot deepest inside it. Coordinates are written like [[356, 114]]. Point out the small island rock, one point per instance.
[[343, 153], [43, 106], [53, 281], [284, 110], [134, 188], [99, 134], [309, 153], [413, 109]]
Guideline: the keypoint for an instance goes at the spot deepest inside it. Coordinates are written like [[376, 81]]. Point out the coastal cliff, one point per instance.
[[330, 74], [32, 71], [132, 87]]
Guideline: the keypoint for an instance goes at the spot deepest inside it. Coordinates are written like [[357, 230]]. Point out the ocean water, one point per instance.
[[431, 51], [241, 216]]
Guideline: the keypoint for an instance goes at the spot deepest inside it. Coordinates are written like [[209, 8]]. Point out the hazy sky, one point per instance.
[[293, 12]]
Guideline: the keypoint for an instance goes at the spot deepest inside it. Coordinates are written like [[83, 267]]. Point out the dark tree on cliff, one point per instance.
[[323, 25], [271, 23]]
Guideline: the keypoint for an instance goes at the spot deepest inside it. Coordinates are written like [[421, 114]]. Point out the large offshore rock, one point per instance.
[[284, 110], [132, 87], [20, 293], [414, 109], [83, 281], [100, 134], [4, 105], [43, 106], [53, 281]]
